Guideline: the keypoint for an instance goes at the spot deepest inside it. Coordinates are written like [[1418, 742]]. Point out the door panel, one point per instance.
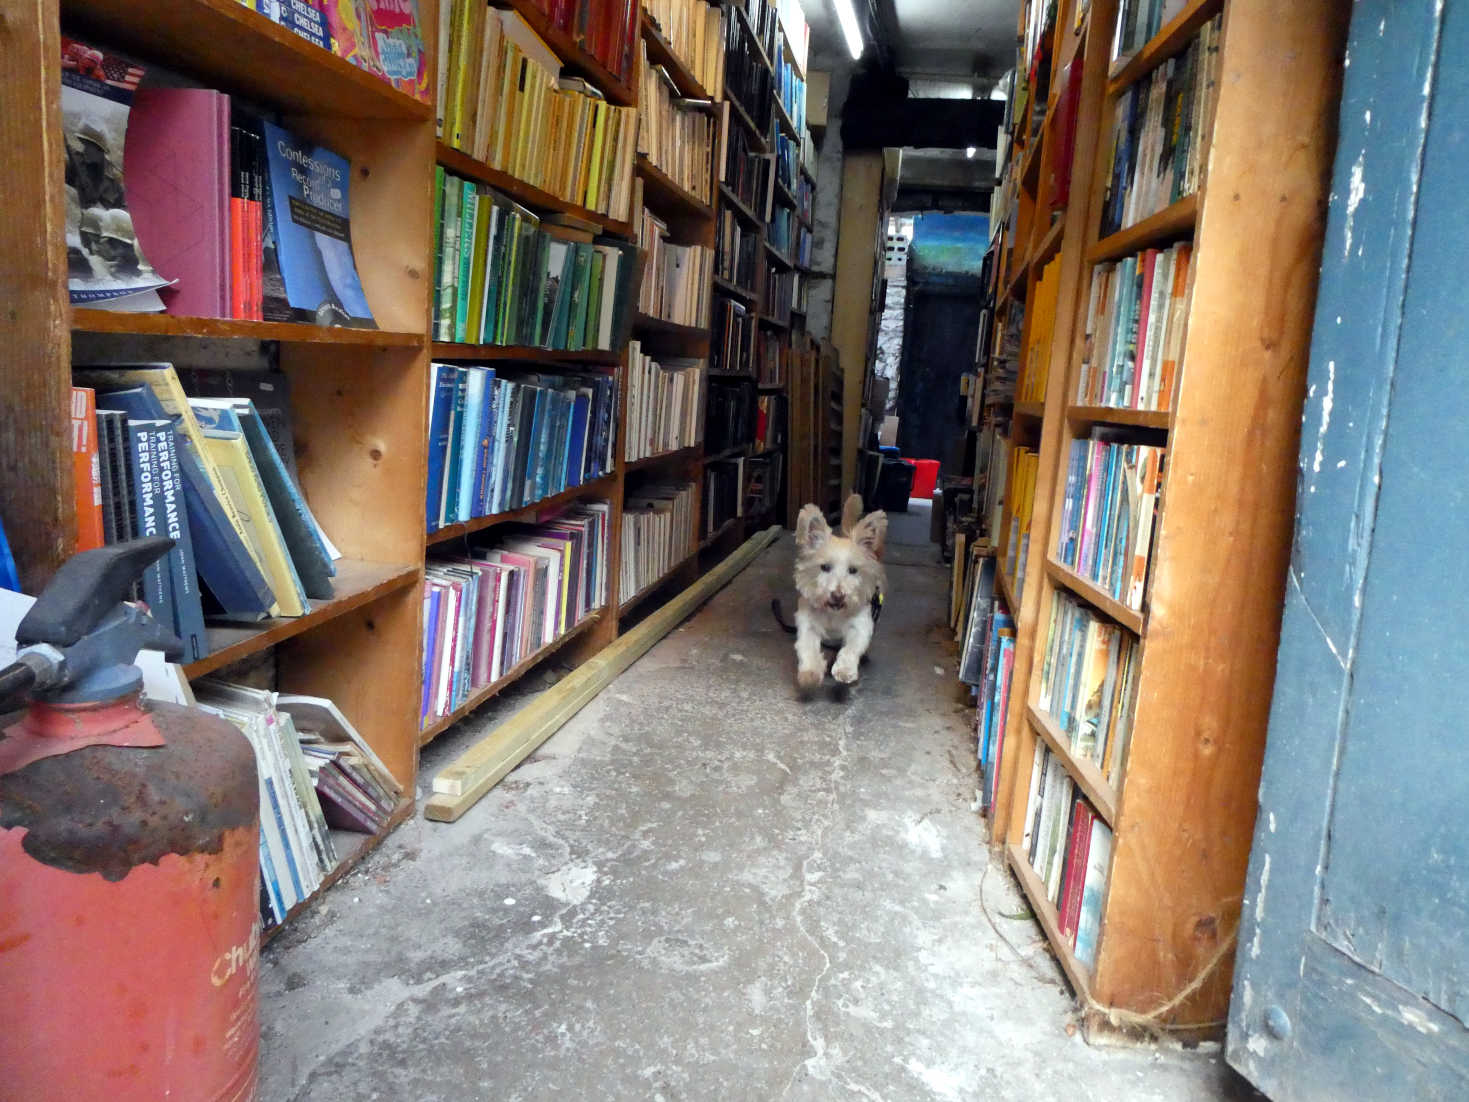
[[1352, 979]]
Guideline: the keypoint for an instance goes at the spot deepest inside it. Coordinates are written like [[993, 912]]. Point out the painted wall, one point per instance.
[[948, 244]]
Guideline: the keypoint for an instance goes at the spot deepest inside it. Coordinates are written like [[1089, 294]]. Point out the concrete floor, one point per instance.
[[702, 889]]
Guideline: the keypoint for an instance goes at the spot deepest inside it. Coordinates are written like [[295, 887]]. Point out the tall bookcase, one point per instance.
[[1181, 806], [359, 397]]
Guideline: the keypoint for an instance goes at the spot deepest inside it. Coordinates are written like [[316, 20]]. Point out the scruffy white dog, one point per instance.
[[840, 583]]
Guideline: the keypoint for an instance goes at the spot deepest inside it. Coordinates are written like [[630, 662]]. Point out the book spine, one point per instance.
[[183, 569], [147, 474], [86, 469]]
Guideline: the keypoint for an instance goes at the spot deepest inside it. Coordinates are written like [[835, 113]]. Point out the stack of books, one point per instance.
[[694, 30], [1110, 501], [493, 607], [504, 102], [500, 440], [663, 401], [1137, 318], [657, 534], [315, 772], [507, 277], [676, 134], [676, 278], [733, 337], [1159, 133], [211, 473]]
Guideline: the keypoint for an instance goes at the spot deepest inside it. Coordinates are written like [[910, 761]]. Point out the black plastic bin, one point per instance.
[[895, 485]]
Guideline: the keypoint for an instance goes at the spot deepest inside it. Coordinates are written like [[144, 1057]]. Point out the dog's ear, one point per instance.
[[871, 533], [811, 528], [851, 513]]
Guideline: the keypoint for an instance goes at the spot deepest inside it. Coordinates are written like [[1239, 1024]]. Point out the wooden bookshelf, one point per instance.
[[580, 61], [462, 164], [448, 350], [661, 52], [728, 198], [597, 487], [84, 320], [660, 188], [1183, 805]]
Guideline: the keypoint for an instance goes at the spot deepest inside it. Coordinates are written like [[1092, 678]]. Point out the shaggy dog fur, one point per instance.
[[837, 576]]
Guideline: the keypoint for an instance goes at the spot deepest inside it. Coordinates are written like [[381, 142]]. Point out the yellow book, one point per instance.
[[505, 108], [460, 75], [594, 172], [164, 382], [231, 456], [480, 247]]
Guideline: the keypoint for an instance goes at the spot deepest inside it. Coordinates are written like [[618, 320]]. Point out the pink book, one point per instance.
[[1095, 462], [481, 640], [176, 164]]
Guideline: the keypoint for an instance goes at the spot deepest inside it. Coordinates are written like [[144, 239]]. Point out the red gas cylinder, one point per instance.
[[129, 928]]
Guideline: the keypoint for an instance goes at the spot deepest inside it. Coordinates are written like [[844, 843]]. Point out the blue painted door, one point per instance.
[[1352, 974]]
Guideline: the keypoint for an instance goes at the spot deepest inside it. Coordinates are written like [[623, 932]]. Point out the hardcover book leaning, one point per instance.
[[106, 267]]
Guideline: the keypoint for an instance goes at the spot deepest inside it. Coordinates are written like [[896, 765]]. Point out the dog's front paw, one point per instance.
[[845, 671], [809, 680]]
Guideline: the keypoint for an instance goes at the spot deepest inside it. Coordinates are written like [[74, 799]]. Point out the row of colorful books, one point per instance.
[[785, 234], [986, 661], [504, 102], [657, 534], [1160, 133], [677, 134], [1070, 848], [204, 469], [790, 88], [507, 277], [501, 439], [694, 30], [664, 395], [384, 37], [1137, 319], [489, 609], [1016, 511], [1035, 368], [732, 333], [316, 774], [736, 249], [1138, 21], [606, 29], [179, 200], [1088, 682], [676, 278], [1108, 510]]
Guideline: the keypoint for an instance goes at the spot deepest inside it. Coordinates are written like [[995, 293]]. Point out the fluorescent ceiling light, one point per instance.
[[847, 17]]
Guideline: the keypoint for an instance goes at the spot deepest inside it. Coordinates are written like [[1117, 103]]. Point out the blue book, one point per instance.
[[441, 407], [183, 571], [535, 472], [157, 589], [310, 202], [503, 388], [576, 460], [487, 453], [225, 565], [449, 506], [9, 578], [298, 527], [471, 452]]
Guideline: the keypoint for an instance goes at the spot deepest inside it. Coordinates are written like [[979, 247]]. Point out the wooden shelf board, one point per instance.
[[224, 44], [1114, 415], [357, 584], [760, 145], [1030, 168], [754, 39], [727, 195], [90, 320], [662, 193], [448, 350], [766, 319], [1083, 771], [728, 453], [1093, 595], [1007, 587], [596, 486], [783, 117], [660, 52], [772, 388], [1168, 42], [647, 323], [730, 287], [1035, 410], [718, 533], [463, 164], [364, 844], [1174, 221], [778, 256], [785, 193], [677, 455], [1045, 913], [580, 61], [652, 587], [1050, 245], [508, 678]]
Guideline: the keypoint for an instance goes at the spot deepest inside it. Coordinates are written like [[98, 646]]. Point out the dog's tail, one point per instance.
[[780, 616]]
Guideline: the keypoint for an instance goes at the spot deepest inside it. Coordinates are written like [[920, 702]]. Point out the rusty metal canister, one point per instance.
[[129, 908]]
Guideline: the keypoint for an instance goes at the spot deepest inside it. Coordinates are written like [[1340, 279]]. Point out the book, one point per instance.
[[183, 571], [157, 589], [657, 534], [1093, 892], [1085, 683], [310, 200], [663, 403], [1109, 510], [86, 468], [106, 265]]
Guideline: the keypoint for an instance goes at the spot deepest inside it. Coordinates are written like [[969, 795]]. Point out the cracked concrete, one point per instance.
[[702, 889]]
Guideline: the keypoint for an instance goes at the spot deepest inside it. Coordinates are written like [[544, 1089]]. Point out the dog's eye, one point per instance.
[[851, 570], [826, 568]]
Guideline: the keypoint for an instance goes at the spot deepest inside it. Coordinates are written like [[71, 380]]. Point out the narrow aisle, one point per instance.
[[702, 889]]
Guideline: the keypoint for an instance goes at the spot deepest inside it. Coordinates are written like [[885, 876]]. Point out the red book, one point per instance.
[[1078, 851], [176, 163], [1070, 100], [86, 469]]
